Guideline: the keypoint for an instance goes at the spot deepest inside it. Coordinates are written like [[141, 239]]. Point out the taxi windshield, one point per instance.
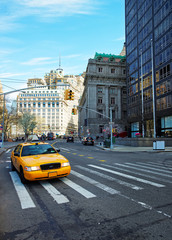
[[37, 149]]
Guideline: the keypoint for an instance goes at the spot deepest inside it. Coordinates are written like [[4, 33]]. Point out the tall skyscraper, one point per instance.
[[149, 64]]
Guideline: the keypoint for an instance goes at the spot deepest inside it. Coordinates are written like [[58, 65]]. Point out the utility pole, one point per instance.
[[111, 144], [143, 131], [3, 122]]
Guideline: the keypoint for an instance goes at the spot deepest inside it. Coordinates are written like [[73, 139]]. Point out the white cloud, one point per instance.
[[120, 39], [47, 10], [8, 75], [37, 61]]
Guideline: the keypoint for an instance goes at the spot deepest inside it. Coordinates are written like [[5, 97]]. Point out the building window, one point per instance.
[[34, 104], [134, 128], [100, 69], [100, 114], [113, 91], [112, 100], [100, 100], [100, 90], [101, 127], [124, 71], [112, 70]]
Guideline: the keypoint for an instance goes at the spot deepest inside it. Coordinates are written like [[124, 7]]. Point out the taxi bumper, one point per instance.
[[47, 174]]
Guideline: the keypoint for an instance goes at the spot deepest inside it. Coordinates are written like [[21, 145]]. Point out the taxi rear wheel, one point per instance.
[[12, 166], [23, 179]]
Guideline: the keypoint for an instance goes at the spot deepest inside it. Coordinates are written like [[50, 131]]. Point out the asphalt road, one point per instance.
[[108, 195]]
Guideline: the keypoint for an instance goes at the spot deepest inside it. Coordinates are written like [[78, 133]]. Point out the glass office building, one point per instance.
[[149, 63]]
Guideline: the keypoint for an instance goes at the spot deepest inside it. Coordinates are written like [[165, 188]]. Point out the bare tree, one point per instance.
[[10, 117], [28, 123]]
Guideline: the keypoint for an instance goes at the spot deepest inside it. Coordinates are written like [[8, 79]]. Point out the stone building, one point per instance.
[[52, 111], [105, 92]]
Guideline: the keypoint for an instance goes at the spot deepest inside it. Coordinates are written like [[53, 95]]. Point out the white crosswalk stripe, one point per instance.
[[143, 170], [110, 178], [56, 195], [129, 176], [78, 188], [137, 173], [155, 166], [95, 183], [24, 197], [152, 168]]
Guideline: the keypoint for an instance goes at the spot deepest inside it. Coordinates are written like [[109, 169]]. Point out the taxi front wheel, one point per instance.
[[23, 179]]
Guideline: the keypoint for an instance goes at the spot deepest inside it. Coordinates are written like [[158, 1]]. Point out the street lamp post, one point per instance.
[[153, 89]]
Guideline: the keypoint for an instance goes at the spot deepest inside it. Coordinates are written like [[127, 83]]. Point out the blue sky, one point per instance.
[[34, 32]]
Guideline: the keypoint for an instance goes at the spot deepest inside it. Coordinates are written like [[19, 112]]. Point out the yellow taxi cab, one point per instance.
[[38, 161]]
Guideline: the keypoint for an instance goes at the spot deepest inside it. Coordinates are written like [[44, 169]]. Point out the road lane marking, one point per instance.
[[24, 197], [128, 176], [78, 188], [156, 166], [74, 153], [143, 170], [66, 149], [8, 150], [55, 194], [81, 155], [90, 157], [8, 161], [95, 183], [102, 160], [110, 178]]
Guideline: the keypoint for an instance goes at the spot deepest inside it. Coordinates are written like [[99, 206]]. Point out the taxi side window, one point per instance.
[[18, 149]]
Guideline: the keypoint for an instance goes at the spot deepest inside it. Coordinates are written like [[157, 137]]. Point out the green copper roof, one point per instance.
[[103, 55]]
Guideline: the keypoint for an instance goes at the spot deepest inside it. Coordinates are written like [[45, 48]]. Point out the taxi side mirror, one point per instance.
[[57, 149], [16, 154]]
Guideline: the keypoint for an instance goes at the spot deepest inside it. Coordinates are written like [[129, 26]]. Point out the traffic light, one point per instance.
[[74, 111], [70, 95]]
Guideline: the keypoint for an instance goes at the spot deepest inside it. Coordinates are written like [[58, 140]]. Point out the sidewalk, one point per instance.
[[122, 148], [8, 145]]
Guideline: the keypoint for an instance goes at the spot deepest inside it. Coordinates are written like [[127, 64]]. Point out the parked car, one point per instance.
[[32, 138], [50, 136], [70, 139], [88, 141], [38, 161]]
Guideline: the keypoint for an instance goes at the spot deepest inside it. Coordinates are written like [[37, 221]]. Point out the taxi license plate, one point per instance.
[[52, 174]]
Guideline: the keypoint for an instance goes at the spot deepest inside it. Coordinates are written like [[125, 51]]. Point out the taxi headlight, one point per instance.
[[34, 168], [65, 164]]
